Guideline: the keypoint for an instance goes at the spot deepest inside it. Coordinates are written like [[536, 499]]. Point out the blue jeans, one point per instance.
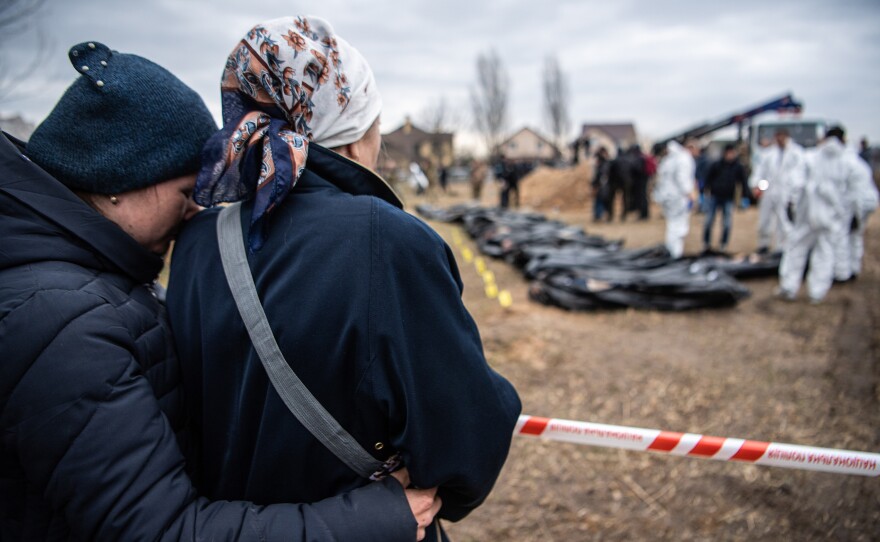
[[712, 205], [598, 208]]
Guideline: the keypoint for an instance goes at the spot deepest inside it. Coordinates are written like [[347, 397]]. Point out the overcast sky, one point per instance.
[[662, 65]]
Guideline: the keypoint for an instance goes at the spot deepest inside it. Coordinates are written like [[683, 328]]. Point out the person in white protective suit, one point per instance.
[[779, 175], [832, 173], [863, 200], [674, 191], [417, 178], [757, 157]]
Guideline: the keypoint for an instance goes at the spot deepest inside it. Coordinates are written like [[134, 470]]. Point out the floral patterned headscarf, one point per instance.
[[289, 81]]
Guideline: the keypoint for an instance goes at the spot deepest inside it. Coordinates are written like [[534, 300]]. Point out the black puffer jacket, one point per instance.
[[89, 396]]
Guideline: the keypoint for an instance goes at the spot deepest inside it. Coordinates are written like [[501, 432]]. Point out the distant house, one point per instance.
[[611, 136], [527, 145], [409, 143]]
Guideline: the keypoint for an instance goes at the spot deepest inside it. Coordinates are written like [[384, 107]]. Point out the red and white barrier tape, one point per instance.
[[771, 454]]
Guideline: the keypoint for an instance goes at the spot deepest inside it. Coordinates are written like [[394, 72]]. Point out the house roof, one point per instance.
[[624, 131], [409, 134], [531, 131], [404, 142]]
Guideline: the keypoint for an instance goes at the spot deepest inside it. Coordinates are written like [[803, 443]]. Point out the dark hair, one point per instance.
[[836, 131], [782, 131], [729, 147], [658, 148]]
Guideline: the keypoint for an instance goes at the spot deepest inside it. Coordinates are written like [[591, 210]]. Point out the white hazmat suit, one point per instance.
[[417, 178], [863, 200], [675, 185], [825, 205], [783, 171]]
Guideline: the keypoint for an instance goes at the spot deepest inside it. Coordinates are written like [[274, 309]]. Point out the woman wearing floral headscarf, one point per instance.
[[364, 300]]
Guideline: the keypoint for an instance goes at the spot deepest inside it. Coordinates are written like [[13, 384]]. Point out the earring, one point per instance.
[[114, 200]]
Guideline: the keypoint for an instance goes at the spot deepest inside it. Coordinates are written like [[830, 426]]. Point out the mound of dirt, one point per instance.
[[557, 189]]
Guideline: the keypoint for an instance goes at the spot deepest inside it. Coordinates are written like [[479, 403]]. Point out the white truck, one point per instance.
[[805, 132]]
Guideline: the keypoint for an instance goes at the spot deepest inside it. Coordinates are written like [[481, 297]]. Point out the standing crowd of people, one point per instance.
[[813, 204], [627, 176], [828, 196]]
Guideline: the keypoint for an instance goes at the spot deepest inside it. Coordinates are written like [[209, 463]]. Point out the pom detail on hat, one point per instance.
[[90, 60]]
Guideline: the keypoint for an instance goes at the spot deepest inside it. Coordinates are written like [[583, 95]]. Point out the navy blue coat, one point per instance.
[[365, 302], [90, 401]]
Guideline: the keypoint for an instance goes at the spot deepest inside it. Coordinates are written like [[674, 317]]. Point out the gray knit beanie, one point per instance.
[[125, 123]]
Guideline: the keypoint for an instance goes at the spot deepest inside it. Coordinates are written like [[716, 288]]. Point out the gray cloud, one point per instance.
[[663, 65]]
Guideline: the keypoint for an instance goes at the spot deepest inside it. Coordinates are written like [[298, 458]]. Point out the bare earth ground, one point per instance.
[[764, 370]]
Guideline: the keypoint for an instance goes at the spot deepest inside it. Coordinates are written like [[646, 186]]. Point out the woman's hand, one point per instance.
[[424, 503]]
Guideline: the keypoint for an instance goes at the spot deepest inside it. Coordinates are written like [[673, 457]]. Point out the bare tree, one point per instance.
[[437, 117], [556, 100], [489, 99]]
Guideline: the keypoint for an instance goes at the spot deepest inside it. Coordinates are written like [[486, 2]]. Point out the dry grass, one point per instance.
[[768, 370]]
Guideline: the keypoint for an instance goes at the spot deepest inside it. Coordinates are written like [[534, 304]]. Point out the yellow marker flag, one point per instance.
[[505, 299], [491, 291], [467, 254], [488, 277], [480, 265]]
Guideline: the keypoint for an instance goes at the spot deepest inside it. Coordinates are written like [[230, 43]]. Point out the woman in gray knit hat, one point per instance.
[[91, 411]]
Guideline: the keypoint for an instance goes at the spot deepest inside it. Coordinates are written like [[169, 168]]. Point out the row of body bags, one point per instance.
[[576, 271]]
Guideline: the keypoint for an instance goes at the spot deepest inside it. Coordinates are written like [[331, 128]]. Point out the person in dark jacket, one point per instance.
[[510, 173], [640, 177], [91, 408], [364, 300], [620, 176], [703, 163], [722, 180], [601, 184]]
